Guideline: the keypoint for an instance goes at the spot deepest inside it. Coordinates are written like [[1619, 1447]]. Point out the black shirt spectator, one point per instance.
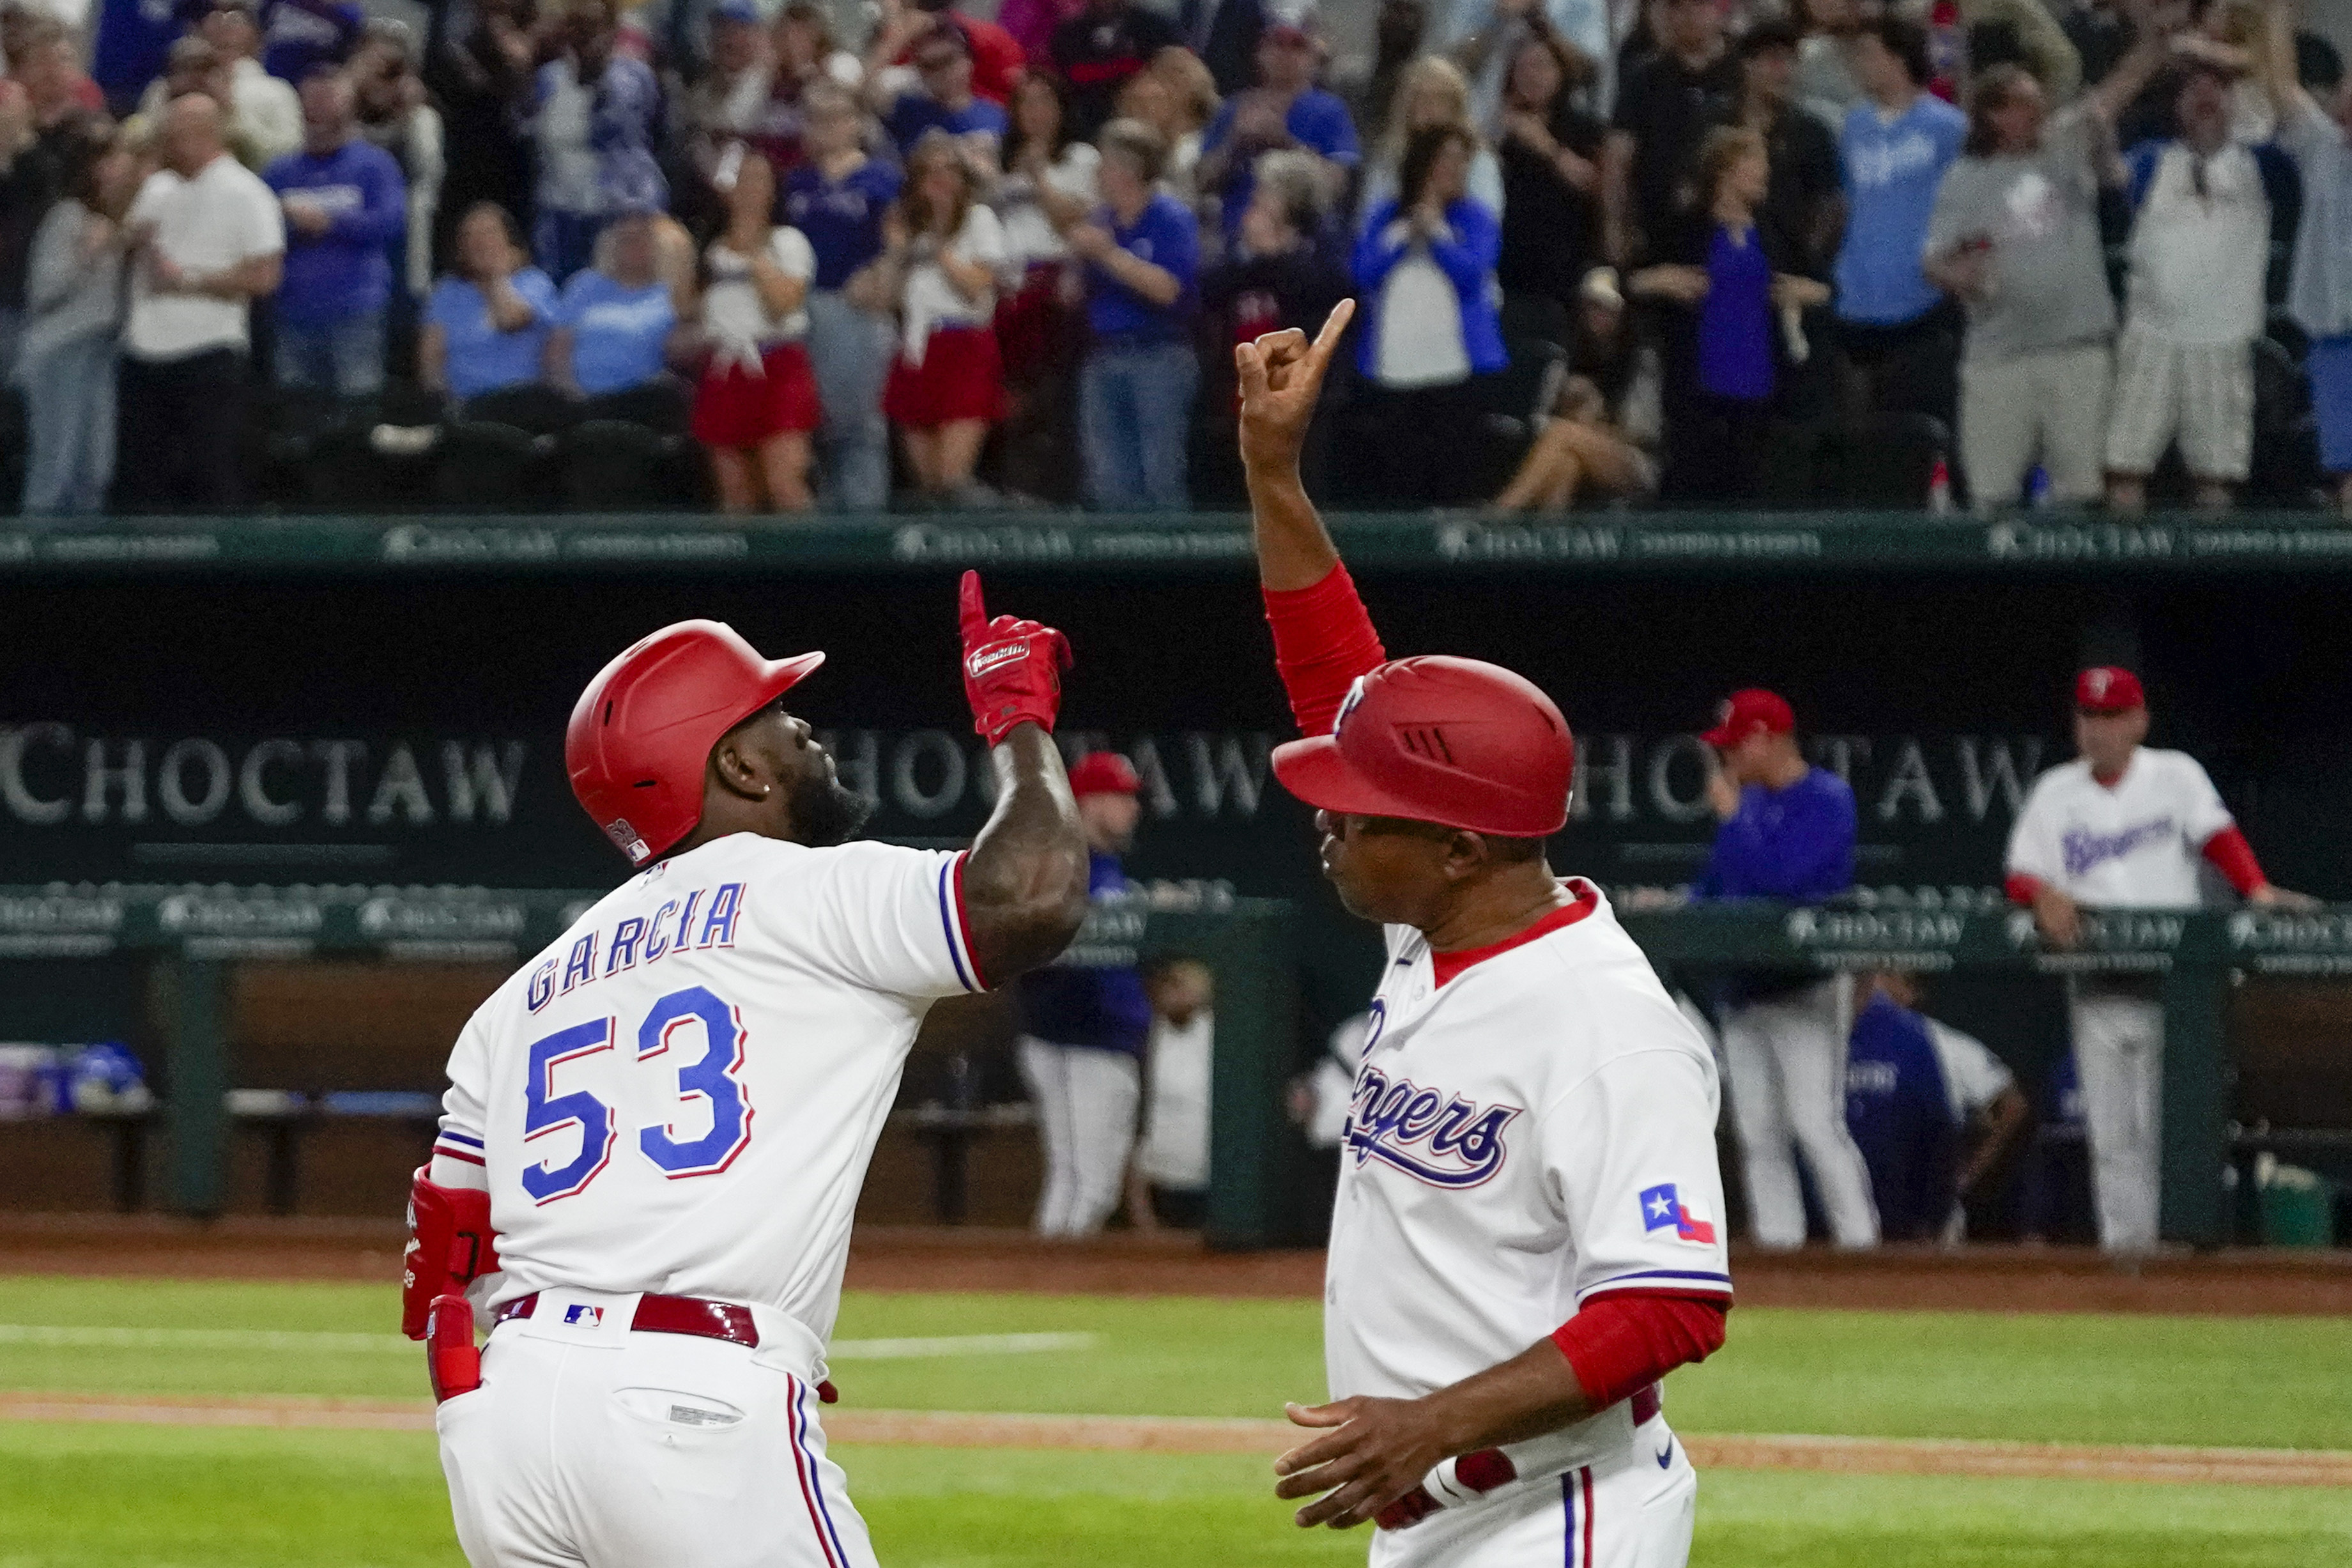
[[1098, 50], [1802, 208], [478, 67], [1550, 150], [1663, 106], [1277, 276]]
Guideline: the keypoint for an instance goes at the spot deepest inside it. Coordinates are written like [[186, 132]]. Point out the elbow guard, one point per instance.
[[450, 1245]]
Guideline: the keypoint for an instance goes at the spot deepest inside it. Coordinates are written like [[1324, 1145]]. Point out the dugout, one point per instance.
[[335, 704]]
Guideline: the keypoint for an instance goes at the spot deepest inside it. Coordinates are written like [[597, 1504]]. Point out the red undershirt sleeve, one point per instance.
[[1629, 1339], [2021, 888], [2234, 859], [1323, 639]]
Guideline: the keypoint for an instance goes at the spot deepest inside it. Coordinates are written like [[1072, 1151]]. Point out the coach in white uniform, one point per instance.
[[666, 1116], [1527, 1232], [2123, 825]]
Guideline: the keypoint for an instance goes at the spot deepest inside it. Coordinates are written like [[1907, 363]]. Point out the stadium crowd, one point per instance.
[[1701, 252]]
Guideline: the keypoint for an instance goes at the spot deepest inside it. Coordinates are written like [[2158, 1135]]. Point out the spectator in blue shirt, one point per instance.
[[593, 115], [1724, 346], [1786, 833], [299, 37], [1285, 110], [487, 324], [837, 199], [1429, 329], [134, 39], [1142, 252], [942, 98], [614, 323], [1899, 332], [344, 200]]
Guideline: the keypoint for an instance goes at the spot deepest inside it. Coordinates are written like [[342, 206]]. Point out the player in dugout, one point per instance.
[[1787, 831], [2124, 826], [1527, 1233], [1932, 1109]]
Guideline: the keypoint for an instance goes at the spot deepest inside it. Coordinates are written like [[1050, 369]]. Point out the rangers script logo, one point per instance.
[[1443, 1140]]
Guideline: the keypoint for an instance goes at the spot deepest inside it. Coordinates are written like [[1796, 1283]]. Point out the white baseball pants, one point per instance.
[[1630, 1511], [593, 1445], [2119, 1054], [1786, 1059], [1087, 1101]]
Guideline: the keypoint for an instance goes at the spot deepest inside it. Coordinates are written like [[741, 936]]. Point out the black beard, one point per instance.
[[827, 812]]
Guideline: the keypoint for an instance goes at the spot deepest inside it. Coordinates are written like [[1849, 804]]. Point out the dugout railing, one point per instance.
[[191, 935]]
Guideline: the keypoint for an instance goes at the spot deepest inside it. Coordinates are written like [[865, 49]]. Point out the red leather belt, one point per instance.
[[669, 1315]]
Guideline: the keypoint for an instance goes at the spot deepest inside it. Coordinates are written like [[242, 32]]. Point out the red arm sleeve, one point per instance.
[[1323, 639], [2021, 888], [2234, 859], [1630, 1340]]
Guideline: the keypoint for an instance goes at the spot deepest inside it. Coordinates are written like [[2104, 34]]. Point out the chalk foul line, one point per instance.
[[1197, 1435], [67, 1336]]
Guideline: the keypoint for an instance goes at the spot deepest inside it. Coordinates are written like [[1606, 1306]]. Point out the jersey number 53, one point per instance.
[[713, 1077]]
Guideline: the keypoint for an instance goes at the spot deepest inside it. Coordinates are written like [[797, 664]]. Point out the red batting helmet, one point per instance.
[[640, 736], [1451, 741]]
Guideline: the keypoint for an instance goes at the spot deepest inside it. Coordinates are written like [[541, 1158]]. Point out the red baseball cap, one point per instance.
[[1753, 711], [2105, 688], [1454, 741], [1103, 773]]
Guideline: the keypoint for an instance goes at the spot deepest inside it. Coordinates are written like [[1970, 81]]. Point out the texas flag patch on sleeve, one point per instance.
[[1662, 1209]]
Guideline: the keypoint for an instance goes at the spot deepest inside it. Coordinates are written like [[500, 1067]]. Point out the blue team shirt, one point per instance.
[[1891, 171], [1168, 235], [618, 333], [345, 272], [1795, 843], [916, 113], [134, 43], [482, 358], [842, 218], [1316, 120], [1735, 320], [1900, 1115], [1071, 1003]]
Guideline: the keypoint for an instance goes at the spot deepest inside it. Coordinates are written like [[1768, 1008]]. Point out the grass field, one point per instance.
[[179, 1497]]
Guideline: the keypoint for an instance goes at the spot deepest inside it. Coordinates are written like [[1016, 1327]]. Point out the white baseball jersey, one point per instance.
[[681, 1094], [1533, 1133], [2134, 844]]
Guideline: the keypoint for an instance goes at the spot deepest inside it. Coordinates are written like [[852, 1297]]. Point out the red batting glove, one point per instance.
[[1012, 668]]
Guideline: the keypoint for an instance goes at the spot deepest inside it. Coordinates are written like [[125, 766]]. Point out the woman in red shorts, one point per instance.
[[757, 401], [944, 251]]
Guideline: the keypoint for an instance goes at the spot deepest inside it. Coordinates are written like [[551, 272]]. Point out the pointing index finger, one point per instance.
[[970, 612], [1326, 342]]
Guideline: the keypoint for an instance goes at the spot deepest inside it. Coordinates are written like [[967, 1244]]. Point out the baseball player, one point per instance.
[[1787, 831], [2123, 825], [1932, 1111], [1527, 1231], [655, 1132], [1083, 1026]]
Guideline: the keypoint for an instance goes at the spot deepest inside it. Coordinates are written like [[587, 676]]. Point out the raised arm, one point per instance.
[[2156, 25], [1323, 639], [1024, 882], [1282, 377]]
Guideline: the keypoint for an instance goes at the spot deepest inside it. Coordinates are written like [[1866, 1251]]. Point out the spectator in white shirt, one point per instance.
[[210, 239], [757, 406], [943, 247], [2199, 252], [265, 109]]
